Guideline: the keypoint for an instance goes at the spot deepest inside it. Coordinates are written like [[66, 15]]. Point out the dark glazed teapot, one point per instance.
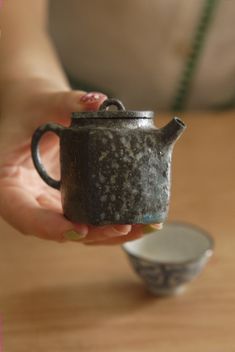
[[115, 165]]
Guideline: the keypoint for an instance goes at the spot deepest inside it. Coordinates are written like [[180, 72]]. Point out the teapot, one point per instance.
[[115, 165]]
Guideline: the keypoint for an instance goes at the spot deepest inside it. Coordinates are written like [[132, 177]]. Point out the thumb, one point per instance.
[[60, 105]]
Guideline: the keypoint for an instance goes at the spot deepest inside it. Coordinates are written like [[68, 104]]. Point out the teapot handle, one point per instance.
[[109, 102], [49, 127]]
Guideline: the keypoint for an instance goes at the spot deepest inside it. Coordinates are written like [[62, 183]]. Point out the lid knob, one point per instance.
[[109, 102]]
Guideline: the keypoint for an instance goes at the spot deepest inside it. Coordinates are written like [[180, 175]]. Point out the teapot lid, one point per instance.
[[121, 112]]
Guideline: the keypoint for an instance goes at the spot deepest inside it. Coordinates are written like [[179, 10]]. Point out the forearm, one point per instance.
[[26, 49]]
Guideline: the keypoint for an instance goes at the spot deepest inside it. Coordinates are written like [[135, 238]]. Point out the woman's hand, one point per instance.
[[34, 90], [26, 202]]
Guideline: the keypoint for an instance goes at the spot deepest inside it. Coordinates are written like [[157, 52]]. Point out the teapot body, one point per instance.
[[115, 165], [114, 173]]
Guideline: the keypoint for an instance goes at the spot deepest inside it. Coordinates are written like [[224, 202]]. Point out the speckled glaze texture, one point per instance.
[[115, 166], [121, 177]]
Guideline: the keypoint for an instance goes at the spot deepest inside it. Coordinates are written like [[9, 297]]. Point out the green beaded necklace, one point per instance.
[[191, 64]]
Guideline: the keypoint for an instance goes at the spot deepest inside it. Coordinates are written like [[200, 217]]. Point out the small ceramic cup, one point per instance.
[[167, 260]]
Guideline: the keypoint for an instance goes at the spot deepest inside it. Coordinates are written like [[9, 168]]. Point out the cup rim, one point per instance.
[[206, 254]]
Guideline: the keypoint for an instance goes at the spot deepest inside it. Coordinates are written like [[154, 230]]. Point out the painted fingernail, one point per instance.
[[73, 235], [157, 226], [149, 229], [91, 97]]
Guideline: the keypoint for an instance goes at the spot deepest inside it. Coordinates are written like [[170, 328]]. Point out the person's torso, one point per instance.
[[137, 49]]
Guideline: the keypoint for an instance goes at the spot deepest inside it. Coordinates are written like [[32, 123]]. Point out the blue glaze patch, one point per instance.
[[151, 219]]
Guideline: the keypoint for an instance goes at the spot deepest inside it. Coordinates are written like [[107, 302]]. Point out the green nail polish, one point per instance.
[[73, 235], [149, 229]]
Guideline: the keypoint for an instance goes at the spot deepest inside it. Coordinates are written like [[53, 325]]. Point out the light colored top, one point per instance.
[[137, 49]]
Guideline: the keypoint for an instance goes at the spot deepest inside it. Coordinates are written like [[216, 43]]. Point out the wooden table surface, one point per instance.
[[74, 298]]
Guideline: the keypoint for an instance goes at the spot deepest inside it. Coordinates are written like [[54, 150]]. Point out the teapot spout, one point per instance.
[[172, 131]]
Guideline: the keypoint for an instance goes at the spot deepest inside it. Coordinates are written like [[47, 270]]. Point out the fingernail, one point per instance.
[[157, 226], [150, 229], [122, 229], [91, 97], [73, 235]]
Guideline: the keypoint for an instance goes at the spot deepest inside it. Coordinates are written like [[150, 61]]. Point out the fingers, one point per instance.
[[95, 233], [91, 101], [135, 233], [42, 217], [102, 233], [59, 105], [157, 226], [19, 208]]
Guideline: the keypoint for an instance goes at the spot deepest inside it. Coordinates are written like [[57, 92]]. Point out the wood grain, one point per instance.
[[73, 298]]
